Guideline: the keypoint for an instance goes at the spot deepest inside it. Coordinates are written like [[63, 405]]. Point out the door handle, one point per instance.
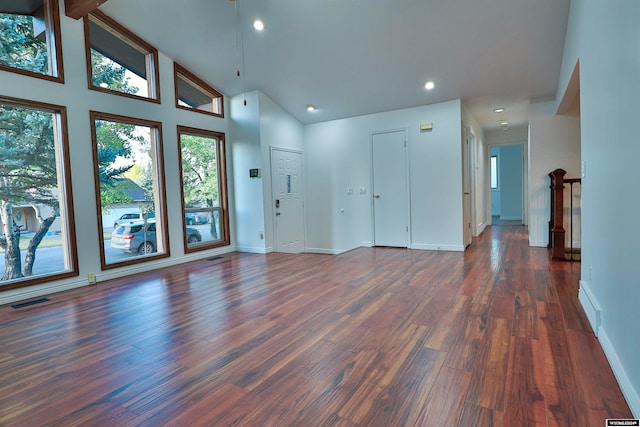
[[277, 213], [377, 196], [466, 193]]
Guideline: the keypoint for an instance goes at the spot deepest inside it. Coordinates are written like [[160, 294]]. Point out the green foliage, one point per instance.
[[27, 175], [199, 171], [28, 166], [114, 159], [27, 163], [19, 47], [110, 74]]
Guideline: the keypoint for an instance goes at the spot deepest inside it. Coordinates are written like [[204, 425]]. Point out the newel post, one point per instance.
[[556, 231]]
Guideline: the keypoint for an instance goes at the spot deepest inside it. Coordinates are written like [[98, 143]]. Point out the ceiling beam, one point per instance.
[[76, 9]]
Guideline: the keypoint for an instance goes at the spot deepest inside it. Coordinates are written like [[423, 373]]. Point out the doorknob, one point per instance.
[[466, 193], [277, 213], [377, 196]]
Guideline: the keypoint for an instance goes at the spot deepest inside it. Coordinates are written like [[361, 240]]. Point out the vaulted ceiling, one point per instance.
[[355, 57]]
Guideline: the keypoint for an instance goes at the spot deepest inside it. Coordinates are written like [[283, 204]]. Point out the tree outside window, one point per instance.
[[110, 46], [204, 188], [31, 38], [130, 188], [35, 194]]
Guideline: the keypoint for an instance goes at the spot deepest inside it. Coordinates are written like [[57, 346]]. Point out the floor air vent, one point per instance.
[[214, 258], [28, 303]]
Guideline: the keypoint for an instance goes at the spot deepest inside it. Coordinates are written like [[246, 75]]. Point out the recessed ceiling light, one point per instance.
[[499, 110], [311, 107], [503, 122], [429, 85], [258, 25]]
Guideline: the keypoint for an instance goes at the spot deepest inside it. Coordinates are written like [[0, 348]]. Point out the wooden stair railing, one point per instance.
[[557, 232]]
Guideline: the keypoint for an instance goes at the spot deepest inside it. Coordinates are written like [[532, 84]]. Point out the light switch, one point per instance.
[[363, 190], [349, 191]]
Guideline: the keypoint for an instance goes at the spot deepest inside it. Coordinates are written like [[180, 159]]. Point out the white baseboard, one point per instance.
[[590, 306], [629, 392], [510, 218], [254, 250], [480, 228], [325, 251], [593, 312], [431, 247]]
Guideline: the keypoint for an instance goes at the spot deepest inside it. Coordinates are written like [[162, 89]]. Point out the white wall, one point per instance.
[[246, 154], [277, 129], [605, 37], [482, 178], [337, 156], [554, 143], [78, 99], [256, 127]]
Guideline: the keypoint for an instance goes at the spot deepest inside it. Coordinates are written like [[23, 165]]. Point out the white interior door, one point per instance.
[[390, 192], [288, 200]]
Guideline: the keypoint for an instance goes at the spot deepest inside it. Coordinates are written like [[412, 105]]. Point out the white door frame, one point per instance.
[[473, 162], [408, 181], [273, 148], [467, 188]]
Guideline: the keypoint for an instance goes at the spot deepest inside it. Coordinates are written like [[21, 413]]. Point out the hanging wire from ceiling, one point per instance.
[[240, 48]]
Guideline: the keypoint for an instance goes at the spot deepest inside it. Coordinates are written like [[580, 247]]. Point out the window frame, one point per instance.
[[127, 36], [198, 84], [62, 147], [496, 171], [221, 159], [54, 46], [160, 207]]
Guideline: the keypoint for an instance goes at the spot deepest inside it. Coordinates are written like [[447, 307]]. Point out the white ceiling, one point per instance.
[[355, 57]]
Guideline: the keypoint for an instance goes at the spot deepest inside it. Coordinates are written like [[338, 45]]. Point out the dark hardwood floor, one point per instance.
[[373, 337]]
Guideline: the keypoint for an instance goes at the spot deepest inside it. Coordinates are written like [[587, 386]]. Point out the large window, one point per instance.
[[194, 94], [132, 63], [130, 187], [204, 189], [30, 32], [36, 220]]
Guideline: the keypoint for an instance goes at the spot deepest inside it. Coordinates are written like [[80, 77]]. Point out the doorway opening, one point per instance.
[[507, 181]]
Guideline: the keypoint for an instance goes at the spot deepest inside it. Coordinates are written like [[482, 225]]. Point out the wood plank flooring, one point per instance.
[[372, 337]]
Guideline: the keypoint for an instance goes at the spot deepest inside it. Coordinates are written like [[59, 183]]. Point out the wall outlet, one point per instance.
[[91, 278]]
